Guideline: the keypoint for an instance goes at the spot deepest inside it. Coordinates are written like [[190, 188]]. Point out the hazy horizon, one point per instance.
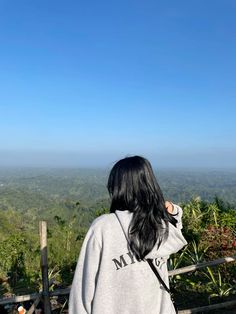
[[190, 160]]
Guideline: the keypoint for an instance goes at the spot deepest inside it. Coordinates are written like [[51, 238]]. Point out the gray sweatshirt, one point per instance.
[[109, 280]]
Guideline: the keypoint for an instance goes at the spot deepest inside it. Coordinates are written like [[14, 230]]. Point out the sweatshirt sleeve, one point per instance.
[[84, 281], [175, 240], [178, 213]]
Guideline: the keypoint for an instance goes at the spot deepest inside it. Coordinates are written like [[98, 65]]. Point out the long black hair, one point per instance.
[[132, 186]]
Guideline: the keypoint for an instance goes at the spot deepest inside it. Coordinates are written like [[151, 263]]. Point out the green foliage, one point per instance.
[[228, 219], [101, 211], [210, 230], [67, 247], [195, 254], [20, 254], [192, 219], [19, 260], [216, 287], [176, 261]]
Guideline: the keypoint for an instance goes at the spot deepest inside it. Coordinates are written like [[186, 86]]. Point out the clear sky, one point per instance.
[[84, 83]]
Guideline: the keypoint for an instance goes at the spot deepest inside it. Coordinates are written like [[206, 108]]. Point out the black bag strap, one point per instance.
[[153, 268]]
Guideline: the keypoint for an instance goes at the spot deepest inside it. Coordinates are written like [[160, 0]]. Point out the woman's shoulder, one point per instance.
[[102, 222]]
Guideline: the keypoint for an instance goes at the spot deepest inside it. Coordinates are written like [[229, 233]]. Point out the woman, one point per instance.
[[112, 275]]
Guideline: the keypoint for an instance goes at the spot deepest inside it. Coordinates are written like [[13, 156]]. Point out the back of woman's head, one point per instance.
[[132, 186], [132, 183]]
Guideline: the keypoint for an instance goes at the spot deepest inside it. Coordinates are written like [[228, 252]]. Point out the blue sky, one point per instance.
[[84, 83]]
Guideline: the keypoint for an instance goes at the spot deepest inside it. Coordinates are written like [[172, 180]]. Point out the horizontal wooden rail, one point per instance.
[[60, 292], [201, 265], [33, 296], [209, 307], [20, 298]]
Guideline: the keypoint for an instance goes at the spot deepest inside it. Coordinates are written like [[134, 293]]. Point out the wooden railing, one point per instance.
[[46, 294], [191, 268]]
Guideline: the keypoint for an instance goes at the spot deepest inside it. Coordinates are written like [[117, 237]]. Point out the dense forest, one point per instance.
[[46, 192], [69, 199]]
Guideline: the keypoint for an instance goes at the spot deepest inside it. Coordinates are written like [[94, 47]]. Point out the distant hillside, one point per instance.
[[50, 192], [182, 185]]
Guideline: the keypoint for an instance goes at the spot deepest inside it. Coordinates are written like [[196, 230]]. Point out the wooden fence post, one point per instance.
[[44, 266]]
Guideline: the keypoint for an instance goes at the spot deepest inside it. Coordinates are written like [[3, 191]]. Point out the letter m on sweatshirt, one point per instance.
[[121, 263]]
